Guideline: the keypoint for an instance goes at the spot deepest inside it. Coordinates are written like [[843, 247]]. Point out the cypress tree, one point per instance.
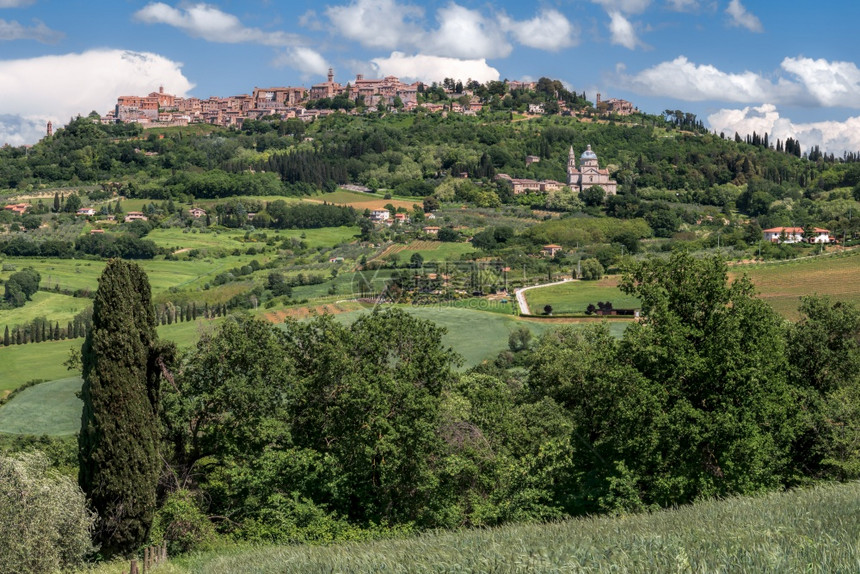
[[118, 443], [6, 340]]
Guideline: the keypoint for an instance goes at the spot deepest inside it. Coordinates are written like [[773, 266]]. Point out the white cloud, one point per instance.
[[622, 31], [58, 88], [434, 68], [833, 137], [685, 80], [209, 23], [805, 82], [377, 23], [15, 3], [548, 30], [459, 32], [307, 61], [829, 83], [625, 6], [742, 18], [13, 30], [465, 33]]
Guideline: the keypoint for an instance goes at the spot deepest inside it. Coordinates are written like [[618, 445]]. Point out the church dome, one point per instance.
[[588, 154]]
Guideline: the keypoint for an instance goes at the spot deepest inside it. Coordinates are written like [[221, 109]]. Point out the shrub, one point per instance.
[[591, 269], [45, 525], [182, 525]]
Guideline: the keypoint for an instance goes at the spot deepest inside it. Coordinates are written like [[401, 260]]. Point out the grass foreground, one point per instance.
[[810, 530]]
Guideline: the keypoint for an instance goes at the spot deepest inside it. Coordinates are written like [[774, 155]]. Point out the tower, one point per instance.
[[571, 167], [330, 75], [50, 129]]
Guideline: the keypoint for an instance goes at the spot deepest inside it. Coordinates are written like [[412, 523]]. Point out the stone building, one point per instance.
[[588, 174]]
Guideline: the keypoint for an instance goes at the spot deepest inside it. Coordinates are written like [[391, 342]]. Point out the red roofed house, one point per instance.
[[551, 249], [795, 235], [18, 208]]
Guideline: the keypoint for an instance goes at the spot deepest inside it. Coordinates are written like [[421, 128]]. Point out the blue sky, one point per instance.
[[786, 68]]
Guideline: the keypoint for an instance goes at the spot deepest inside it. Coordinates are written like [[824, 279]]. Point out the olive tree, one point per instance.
[[45, 525]]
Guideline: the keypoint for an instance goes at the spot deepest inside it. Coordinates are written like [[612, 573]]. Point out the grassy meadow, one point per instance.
[[74, 274], [474, 334], [53, 306], [51, 408], [22, 363], [813, 530], [575, 296]]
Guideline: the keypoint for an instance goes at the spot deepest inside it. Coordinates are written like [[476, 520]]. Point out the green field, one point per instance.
[[52, 306], [22, 363], [782, 284], [429, 251], [575, 296], [181, 238], [51, 408], [74, 274], [362, 201], [812, 530], [475, 335]]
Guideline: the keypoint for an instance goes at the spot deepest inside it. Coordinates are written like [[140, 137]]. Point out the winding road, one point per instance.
[[521, 298]]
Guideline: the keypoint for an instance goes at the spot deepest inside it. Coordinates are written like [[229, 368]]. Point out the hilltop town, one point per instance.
[[160, 109]]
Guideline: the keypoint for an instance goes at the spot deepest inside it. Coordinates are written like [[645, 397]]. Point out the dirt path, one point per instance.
[[521, 298]]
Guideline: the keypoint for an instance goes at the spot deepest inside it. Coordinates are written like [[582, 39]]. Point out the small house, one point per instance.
[[551, 249], [380, 215], [135, 216]]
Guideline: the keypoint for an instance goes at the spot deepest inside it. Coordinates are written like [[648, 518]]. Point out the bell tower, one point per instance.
[[50, 130], [571, 167]]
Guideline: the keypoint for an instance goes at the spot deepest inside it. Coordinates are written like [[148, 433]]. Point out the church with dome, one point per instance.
[[588, 174]]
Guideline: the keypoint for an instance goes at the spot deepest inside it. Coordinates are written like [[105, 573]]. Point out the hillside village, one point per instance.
[[160, 109]]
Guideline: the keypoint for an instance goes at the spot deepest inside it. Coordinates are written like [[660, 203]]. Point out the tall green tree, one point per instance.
[[118, 443], [824, 353], [719, 354]]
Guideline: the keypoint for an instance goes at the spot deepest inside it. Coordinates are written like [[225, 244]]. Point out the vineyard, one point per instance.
[[782, 284]]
